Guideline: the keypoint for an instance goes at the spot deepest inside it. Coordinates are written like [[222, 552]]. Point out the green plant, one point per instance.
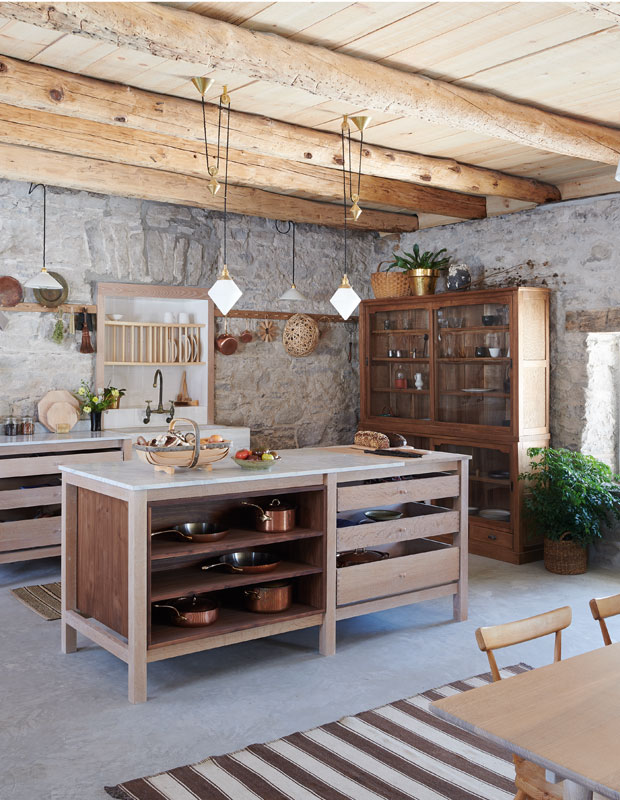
[[416, 260], [570, 492], [113, 392], [91, 401]]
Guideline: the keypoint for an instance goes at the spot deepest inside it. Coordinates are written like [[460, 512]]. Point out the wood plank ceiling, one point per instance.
[[552, 55]]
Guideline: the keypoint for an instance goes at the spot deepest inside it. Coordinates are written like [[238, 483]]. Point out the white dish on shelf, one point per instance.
[[497, 514], [186, 349], [173, 351], [115, 317], [477, 390]]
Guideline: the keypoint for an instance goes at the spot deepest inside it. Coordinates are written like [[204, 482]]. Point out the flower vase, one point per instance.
[[95, 420]]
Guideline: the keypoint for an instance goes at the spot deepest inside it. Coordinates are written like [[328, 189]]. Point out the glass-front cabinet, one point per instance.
[[465, 372]]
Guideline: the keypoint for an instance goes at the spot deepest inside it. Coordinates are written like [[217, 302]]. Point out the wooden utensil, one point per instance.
[[55, 396], [11, 292], [61, 413], [183, 398]]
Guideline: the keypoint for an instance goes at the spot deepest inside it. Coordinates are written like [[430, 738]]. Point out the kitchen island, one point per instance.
[[115, 570]]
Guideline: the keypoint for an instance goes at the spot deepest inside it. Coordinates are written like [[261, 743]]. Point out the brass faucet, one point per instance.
[[160, 407]]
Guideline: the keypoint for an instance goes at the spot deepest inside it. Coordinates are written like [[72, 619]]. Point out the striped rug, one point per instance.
[[401, 751], [43, 599]]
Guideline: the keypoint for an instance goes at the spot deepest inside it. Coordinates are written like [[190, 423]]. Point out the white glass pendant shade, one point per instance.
[[292, 294], [43, 280], [345, 299], [224, 291], [618, 172]]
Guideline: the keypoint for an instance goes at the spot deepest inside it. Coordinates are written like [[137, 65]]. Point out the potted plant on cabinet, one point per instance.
[[568, 497], [114, 395], [93, 403], [423, 268]]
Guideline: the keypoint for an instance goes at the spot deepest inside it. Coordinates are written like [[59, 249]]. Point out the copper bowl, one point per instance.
[[194, 611]]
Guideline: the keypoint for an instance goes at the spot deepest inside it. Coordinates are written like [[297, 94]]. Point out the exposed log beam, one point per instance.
[[155, 151], [599, 320], [93, 175], [606, 11], [33, 86], [177, 34]]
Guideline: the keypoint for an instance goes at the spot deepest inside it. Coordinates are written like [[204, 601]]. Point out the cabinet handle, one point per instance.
[[492, 536]]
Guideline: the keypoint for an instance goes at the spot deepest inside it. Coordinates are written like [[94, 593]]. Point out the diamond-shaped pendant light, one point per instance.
[[224, 291], [345, 299]]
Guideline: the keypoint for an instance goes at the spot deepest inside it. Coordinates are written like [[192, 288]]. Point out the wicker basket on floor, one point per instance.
[[565, 557], [390, 284]]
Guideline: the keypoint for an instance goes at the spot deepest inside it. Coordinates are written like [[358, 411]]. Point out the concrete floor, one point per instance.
[[66, 729]]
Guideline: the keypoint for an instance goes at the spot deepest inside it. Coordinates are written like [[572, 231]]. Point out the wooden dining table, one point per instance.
[[564, 717]]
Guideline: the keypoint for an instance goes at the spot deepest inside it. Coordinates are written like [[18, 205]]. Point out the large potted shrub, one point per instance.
[[568, 497], [423, 268]]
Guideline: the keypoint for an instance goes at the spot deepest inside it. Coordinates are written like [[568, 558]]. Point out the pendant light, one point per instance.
[[224, 291], [361, 123], [293, 293], [345, 299], [42, 280]]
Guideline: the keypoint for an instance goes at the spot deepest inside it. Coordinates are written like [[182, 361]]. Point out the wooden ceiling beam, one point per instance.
[[33, 86], [94, 175], [173, 33], [153, 151]]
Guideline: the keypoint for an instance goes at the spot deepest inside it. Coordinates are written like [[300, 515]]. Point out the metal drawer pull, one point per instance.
[[492, 536]]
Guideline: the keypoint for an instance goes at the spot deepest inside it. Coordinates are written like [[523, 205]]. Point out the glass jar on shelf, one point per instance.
[[400, 380]]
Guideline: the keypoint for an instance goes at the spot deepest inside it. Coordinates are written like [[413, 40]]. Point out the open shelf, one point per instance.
[[166, 546], [154, 363], [404, 391], [229, 620], [483, 360], [399, 360], [401, 331], [173, 583], [130, 324], [461, 393], [476, 329]]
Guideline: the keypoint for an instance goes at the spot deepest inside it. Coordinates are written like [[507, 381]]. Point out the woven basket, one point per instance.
[[390, 284], [564, 557], [167, 459], [301, 335]]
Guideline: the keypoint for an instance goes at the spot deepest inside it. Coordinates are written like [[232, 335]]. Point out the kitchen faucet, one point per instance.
[[160, 407]]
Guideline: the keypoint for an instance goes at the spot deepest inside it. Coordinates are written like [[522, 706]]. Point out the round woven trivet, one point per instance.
[[301, 335]]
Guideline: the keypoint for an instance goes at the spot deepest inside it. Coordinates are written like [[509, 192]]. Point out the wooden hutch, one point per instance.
[[465, 372]]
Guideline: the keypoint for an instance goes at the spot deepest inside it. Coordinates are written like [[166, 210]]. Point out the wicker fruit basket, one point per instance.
[[189, 456], [390, 284], [565, 557]]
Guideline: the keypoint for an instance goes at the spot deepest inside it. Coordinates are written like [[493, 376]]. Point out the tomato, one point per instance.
[[243, 454]]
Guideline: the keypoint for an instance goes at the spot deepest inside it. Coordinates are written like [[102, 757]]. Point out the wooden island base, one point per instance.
[[115, 570]]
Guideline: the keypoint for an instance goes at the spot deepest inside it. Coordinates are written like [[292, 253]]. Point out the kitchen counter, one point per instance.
[[72, 438], [116, 569]]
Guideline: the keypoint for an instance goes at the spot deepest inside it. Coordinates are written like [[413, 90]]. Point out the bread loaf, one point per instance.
[[396, 440], [371, 439]]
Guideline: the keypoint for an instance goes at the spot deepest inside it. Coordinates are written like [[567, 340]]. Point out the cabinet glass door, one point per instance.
[[399, 364], [490, 481], [473, 364]]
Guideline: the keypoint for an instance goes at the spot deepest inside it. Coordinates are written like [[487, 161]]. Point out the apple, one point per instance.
[[216, 438], [243, 454], [267, 457]]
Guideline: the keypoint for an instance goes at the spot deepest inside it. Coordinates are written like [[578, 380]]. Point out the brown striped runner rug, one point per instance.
[[401, 751], [43, 599]]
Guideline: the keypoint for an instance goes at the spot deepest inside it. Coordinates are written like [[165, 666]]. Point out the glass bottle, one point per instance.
[[400, 380], [10, 426], [26, 427]]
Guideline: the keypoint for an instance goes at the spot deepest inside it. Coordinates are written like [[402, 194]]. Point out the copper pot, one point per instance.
[[276, 517], [226, 343], [193, 611], [269, 599], [354, 557]]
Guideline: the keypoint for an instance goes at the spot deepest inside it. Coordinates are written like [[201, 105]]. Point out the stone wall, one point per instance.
[[91, 238]]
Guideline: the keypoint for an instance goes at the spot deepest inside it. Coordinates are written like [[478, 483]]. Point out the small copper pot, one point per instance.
[[193, 611], [226, 343], [269, 599], [276, 517]]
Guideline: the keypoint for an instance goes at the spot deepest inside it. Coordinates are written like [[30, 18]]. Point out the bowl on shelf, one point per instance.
[[489, 319], [383, 514], [497, 514], [115, 317], [494, 352], [499, 474]]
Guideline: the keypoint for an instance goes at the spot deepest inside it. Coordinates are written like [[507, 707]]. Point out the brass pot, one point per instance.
[[422, 281]]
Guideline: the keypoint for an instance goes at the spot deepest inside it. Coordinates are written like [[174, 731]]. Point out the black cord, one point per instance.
[[289, 226], [344, 200], [225, 175], [359, 168], [204, 128], [34, 186]]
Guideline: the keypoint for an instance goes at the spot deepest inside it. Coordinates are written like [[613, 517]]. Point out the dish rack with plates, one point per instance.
[[152, 343]]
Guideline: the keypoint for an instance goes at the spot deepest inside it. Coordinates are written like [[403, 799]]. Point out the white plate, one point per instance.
[[186, 349], [173, 351], [498, 514], [477, 390]]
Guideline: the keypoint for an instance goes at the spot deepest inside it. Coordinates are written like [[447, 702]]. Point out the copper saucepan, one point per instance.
[[194, 611], [270, 598], [246, 561], [360, 556], [276, 517], [226, 343], [197, 531]]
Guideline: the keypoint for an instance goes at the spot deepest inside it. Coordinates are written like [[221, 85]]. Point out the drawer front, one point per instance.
[[491, 537], [28, 497], [377, 533], [29, 533], [397, 575], [48, 465], [382, 494]]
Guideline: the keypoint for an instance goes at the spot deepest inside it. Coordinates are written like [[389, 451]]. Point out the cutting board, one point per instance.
[[61, 413], [55, 396]]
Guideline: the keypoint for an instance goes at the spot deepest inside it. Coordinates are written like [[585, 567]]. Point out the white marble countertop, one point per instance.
[[74, 437], [137, 476]]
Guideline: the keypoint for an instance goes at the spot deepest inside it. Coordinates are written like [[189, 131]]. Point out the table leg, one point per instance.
[[137, 596], [574, 791], [327, 635], [68, 643]]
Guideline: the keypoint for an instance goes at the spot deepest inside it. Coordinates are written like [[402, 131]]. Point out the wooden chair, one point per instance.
[[530, 779], [603, 607]]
